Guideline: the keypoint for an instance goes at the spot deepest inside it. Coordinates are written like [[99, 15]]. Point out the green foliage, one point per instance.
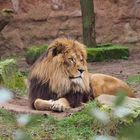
[[107, 53], [120, 98], [77, 126], [10, 77], [33, 53], [101, 53], [6, 117], [104, 45], [7, 125], [80, 126], [130, 132], [134, 79]]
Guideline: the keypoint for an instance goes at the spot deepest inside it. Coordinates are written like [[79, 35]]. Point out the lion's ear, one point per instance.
[[57, 49]]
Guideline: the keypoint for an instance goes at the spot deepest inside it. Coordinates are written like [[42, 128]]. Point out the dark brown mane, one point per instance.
[[42, 91]]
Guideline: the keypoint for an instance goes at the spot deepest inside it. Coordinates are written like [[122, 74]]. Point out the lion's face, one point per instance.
[[64, 67], [72, 58], [75, 65]]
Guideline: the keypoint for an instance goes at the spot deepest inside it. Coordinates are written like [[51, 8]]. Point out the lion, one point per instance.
[[60, 80]]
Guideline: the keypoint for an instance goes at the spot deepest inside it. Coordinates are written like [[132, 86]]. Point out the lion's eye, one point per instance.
[[71, 59]]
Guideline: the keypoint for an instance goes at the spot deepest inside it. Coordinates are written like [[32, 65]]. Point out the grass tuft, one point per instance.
[[134, 79], [10, 77]]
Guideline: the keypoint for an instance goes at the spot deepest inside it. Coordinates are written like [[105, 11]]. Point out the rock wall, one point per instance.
[[41, 21]]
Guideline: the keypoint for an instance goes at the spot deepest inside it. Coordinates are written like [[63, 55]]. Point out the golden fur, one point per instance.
[[106, 84], [52, 68], [62, 71]]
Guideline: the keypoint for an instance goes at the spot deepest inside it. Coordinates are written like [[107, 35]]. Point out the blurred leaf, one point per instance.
[[20, 135], [34, 120], [5, 95], [23, 119], [120, 98], [131, 132], [104, 137], [122, 111], [102, 116]]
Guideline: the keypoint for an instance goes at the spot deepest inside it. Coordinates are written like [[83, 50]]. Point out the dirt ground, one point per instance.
[[119, 68]]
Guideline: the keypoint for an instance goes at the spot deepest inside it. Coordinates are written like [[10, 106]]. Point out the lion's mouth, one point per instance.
[[72, 77]]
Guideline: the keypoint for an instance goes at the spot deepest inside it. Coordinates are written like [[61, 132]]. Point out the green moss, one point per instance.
[[34, 52], [134, 79], [107, 53], [101, 53], [10, 77], [104, 45]]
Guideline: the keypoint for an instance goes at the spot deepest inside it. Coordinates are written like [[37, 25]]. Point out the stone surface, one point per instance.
[[131, 103], [37, 22], [21, 106]]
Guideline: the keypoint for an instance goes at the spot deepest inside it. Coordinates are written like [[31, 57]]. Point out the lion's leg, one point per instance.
[[40, 104], [58, 105], [61, 104]]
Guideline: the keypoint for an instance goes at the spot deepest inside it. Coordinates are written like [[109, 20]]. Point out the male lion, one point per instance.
[[60, 79]]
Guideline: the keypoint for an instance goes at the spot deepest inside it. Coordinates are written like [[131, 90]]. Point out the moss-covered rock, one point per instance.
[[101, 53], [104, 45], [10, 77], [107, 53], [35, 52]]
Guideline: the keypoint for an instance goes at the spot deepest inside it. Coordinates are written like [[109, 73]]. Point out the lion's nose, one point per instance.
[[81, 70]]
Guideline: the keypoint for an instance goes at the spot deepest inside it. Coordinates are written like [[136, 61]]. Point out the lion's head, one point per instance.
[[64, 67]]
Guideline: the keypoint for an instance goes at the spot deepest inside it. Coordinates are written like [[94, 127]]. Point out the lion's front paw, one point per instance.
[[40, 104], [57, 106]]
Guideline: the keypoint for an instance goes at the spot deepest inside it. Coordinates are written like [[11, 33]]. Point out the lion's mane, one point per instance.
[[49, 79]]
